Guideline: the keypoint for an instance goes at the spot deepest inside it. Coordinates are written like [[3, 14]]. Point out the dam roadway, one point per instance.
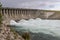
[[23, 13]]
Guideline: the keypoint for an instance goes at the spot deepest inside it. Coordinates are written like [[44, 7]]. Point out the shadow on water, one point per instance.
[[41, 36]]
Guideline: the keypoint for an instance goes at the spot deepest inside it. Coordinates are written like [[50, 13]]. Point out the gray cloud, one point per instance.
[[39, 4]]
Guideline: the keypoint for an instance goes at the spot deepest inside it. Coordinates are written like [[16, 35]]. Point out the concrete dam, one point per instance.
[[22, 13]]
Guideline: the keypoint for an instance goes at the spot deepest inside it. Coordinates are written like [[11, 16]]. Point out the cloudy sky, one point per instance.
[[35, 4]]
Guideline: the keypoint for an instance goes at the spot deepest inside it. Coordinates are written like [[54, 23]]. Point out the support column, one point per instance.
[[26, 12], [7, 11], [29, 14], [15, 13], [18, 13], [4, 12], [22, 13], [10, 13]]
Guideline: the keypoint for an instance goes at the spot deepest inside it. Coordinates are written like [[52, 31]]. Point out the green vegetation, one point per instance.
[[0, 5], [26, 36], [0, 15]]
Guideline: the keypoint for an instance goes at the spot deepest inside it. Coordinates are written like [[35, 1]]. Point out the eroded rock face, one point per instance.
[[55, 16], [7, 34]]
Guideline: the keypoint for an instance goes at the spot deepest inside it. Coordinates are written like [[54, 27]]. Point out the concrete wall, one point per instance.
[[17, 14]]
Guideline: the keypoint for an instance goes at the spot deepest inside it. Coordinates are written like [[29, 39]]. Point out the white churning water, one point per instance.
[[38, 25]]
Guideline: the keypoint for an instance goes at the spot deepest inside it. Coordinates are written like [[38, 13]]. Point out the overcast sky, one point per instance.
[[35, 4]]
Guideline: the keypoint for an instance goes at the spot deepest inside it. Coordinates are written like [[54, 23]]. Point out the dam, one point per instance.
[[24, 13], [30, 20]]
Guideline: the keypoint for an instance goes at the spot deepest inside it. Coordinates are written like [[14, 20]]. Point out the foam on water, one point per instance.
[[38, 25]]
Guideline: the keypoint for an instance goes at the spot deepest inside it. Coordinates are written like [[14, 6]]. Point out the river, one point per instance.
[[39, 29]]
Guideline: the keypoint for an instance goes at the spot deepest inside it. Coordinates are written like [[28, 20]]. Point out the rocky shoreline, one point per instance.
[[6, 33]]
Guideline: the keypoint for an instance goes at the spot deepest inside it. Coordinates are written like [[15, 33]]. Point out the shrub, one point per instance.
[[26, 36]]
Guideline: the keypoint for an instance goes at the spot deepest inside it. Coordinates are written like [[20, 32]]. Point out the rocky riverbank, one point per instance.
[[6, 33]]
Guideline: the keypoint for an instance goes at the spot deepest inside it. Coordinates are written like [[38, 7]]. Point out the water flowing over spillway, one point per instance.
[[38, 25]]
